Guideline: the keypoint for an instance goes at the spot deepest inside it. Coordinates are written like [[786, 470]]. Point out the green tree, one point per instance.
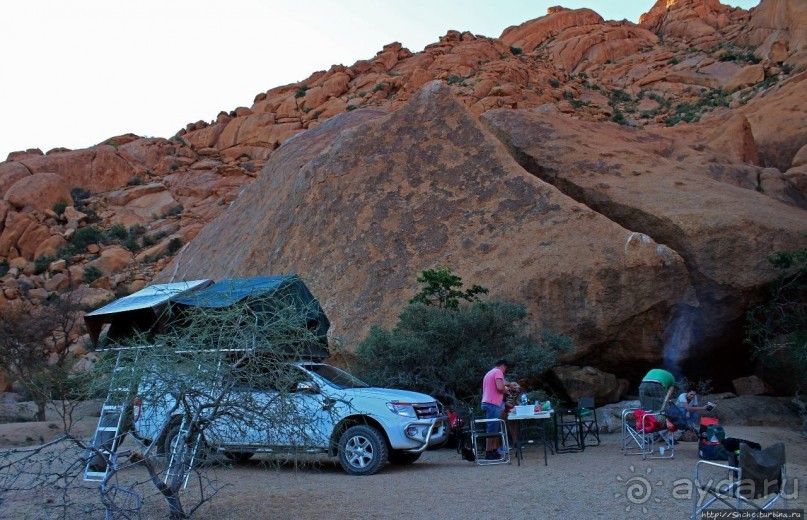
[[443, 289], [444, 352], [777, 329]]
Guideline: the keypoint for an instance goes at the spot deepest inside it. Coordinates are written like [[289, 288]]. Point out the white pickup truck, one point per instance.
[[338, 414]]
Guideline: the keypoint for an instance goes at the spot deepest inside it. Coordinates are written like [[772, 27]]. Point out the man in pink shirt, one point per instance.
[[494, 390]]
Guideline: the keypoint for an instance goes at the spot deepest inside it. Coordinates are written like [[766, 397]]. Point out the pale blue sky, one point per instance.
[[78, 72]]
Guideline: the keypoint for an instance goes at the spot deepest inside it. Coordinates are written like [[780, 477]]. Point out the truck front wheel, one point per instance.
[[362, 450]]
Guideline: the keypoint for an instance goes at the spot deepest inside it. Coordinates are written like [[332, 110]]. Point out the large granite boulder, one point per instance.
[[574, 383], [98, 169], [41, 191], [756, 410], [360, 205], [678, 192]]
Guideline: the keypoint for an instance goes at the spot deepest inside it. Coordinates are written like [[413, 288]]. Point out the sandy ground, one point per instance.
[[600, 482]]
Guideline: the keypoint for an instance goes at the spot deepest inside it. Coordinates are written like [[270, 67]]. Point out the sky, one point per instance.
[[78, 72]]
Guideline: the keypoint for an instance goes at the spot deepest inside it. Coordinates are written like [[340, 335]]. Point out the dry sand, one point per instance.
[[597, 483]]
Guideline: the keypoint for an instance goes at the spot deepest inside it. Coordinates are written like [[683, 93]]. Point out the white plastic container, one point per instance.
[[525, 410]]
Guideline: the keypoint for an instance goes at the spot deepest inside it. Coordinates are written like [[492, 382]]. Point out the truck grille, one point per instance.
[[427, 410]]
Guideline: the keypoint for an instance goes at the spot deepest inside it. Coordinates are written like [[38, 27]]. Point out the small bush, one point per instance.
[[41, 264], [379, 86], [79, 194], [116, 233], [65, 253], [300, 92], [515, 50], [84, 237], [453, 79], [135, 181], [131, 244], [174, 245], [174, 211], [618, 117], [136, 230], [747, 56], [151, 258], [620, 96], [767, 82], [554, 83], [150, 240], [92, 273], [59, 208], [4, 267]]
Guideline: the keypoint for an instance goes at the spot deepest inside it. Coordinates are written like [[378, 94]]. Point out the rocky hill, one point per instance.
[[626, 181]]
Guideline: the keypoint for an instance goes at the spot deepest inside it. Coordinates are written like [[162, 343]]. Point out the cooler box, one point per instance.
[[526, 410]]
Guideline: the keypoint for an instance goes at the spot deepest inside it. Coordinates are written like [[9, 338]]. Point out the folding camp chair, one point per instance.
[[645, 433], [479, 436], [568, 430], [753, 477], [588, 420]]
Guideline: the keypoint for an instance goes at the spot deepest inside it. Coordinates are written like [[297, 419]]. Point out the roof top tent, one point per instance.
[[144, 310], [261, 294], [140, 311]]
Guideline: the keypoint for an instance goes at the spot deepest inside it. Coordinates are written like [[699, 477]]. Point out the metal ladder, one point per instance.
[[107, 437], [175, 463]]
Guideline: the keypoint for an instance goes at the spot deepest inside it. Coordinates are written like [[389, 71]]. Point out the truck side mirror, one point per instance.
[[308, 387]]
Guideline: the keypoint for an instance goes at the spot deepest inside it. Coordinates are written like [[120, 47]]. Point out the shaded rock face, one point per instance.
[[574, 383], [361, 205], [670, 187], [779, 122]]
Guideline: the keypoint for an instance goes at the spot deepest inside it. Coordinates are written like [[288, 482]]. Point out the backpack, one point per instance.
[[468, 454], [677, 416], [712, 436], [712, 450]]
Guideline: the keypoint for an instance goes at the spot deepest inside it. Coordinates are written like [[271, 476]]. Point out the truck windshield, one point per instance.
[[335, 377]]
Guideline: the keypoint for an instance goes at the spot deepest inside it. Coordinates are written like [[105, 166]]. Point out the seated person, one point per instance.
[[688, 402]]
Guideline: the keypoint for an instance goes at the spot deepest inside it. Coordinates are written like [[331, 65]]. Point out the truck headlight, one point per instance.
[[402, 409]]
